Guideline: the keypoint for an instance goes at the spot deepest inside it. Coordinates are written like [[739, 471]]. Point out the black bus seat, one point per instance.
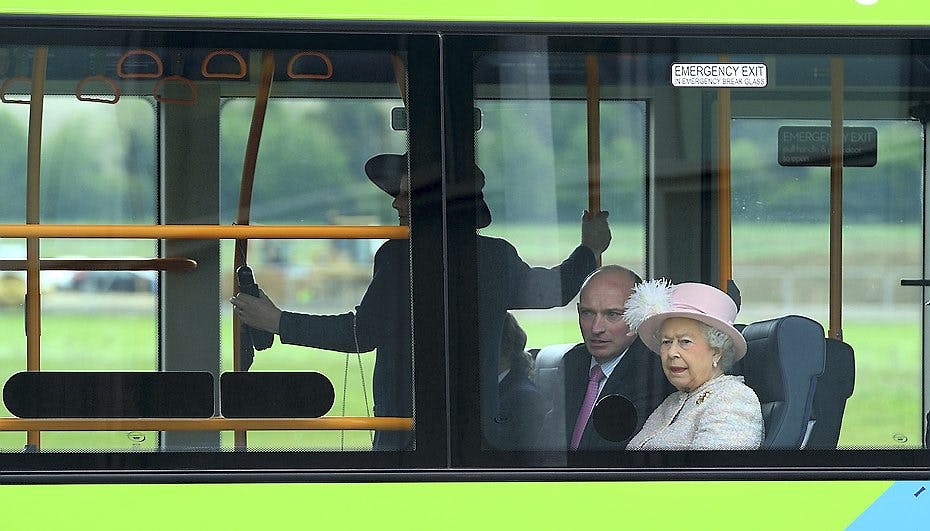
[[927, 432], [784, 359], [833, 389]]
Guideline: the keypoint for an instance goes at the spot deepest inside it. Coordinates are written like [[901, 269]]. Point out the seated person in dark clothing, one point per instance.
[[522, 406], [382, 320]]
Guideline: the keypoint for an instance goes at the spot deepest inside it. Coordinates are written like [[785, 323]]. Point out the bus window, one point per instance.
[[780, 239], [99, 166], [149, 194], [314, 151], [532, 147], [399, 196], [727, 181], [542, 187]]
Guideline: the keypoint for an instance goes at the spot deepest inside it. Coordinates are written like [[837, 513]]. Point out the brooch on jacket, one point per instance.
[[700, 399]]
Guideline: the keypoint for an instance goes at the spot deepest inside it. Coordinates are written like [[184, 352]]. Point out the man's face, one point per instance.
[[600, 308]]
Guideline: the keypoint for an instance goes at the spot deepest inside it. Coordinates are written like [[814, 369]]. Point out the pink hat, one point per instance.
[[654, 301]]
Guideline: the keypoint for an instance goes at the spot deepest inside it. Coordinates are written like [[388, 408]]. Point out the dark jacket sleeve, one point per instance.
[[363, 330], [541, 287]]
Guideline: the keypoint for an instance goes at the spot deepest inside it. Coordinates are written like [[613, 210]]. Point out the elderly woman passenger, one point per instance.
[[690, 326]]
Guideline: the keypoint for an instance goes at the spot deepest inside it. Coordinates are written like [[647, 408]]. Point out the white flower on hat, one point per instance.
[[648, 298]]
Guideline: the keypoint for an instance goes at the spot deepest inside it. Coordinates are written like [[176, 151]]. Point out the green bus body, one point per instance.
[[790, 12]]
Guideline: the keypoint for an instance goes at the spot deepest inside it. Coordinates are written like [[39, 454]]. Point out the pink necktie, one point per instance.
[[590, 396]]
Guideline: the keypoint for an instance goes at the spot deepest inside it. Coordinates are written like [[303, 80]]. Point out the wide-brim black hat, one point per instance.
[[388, 169]]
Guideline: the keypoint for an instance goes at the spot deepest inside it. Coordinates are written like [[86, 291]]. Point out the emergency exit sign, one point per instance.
[[810, 146], [720, 75]]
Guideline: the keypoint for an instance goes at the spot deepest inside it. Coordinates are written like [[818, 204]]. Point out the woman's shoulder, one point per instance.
[[393, 247], [730, 381], [734, 387]]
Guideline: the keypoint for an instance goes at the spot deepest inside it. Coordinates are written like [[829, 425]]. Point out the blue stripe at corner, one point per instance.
[[905, 505]]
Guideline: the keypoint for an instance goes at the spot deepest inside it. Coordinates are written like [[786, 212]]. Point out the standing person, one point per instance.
[[690, 327], [382, 320], [610, 361]]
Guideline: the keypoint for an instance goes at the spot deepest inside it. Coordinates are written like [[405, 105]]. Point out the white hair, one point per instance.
[[721, 341]]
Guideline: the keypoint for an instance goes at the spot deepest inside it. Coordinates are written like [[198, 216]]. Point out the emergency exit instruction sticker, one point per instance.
[[725, 75]]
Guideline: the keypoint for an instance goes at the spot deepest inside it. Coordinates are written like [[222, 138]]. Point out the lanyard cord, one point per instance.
[[345, 383]]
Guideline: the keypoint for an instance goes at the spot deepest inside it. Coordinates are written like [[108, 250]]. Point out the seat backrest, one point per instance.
[[784, 359], [550, 381], [834, 387]]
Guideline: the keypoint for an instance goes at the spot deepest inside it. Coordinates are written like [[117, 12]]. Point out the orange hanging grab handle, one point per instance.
[[299, 55], [5, 87], [191, 87], [114, 89], [205, 70], [156, 61]]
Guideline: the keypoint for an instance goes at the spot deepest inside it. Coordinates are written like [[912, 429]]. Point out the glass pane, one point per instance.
[[98, 167], [728, 168], [538, 206], [169, 149], [532, 147], [781, 234], [312, 172]]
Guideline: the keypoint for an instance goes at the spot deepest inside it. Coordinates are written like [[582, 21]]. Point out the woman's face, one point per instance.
[[687, 357], [402, 202]]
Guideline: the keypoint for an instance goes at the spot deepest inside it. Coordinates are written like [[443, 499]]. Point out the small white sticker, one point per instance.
[[726, 75]]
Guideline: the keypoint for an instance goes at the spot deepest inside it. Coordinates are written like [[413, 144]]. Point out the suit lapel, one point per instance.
[[577, 362], [621, 378], [623, 381]]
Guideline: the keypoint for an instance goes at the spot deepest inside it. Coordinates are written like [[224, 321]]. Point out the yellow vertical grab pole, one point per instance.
[[34, 158], [592, 69], [724, 176], [243, 214], [240, 256], [835, 329]]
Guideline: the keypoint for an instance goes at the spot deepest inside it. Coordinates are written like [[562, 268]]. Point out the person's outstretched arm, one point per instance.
[[359, 331], [541, 287]]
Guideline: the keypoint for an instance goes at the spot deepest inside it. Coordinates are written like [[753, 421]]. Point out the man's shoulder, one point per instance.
[[638, 357], [392, 250], [393, 246], [578, 351], [578, 359], [553, 356], [491, 243], [638, 349]]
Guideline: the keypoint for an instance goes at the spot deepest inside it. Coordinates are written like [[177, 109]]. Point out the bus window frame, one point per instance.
[[448, 451], [469, 449], [427, 309]]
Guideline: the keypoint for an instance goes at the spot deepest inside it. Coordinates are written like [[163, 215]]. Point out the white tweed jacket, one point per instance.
[[722, 414]]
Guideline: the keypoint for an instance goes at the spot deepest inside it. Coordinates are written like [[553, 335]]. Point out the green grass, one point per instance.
[[884, 407], [126, 342], [884, 411]]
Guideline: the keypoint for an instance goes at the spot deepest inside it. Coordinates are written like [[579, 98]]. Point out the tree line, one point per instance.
[[100, 164]]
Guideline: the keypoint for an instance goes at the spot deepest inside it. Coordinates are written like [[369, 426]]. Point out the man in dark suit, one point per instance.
[[610, 361]]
